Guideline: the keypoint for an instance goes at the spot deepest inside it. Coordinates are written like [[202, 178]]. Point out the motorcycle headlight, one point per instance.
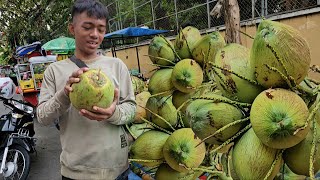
[[23, 107]]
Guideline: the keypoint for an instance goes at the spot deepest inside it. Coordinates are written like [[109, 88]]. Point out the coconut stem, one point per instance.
[[184, 103], [224, 128], [313, 150], [162, 93], [144, 160], [279, 154], [172, 48], [231, 139], [220, 174], [99, 74], [180, 119], [167, 60], [160, 66], [281, 74], [224, 100], [129, 130], [313, 112], [156, 126], [160, 118], [236, 74]]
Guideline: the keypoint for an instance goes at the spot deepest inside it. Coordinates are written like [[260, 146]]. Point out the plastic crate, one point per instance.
[[38, 76], [26, 84]]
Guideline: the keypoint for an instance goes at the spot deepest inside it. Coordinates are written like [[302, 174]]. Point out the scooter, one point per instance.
[[16, 135]]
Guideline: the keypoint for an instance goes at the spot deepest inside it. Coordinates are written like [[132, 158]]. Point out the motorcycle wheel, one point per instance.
[[22, 167]]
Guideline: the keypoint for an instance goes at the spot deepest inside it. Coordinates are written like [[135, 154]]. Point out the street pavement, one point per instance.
[[45, 162]]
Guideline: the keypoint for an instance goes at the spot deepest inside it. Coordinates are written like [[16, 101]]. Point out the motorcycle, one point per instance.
[[16, 135]]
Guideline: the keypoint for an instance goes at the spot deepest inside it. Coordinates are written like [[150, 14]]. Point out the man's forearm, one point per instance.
[[123, 114]]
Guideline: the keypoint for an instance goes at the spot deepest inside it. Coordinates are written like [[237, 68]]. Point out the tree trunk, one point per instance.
[[232, 21]]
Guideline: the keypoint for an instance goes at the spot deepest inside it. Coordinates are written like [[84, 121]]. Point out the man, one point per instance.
[[94, 144]]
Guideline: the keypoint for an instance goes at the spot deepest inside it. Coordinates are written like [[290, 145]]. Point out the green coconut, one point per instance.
[[276, 114], [161, 51], [149, 146], [138, 129], [206, 48], [235, 57], [187, 75], [252, 159], [165, 172], [162, 106], [137, 84], [141, 112], [291, 48], [181, 151], [94, 89], [207, 117], [186, 40], [297, 157], [160, 82]]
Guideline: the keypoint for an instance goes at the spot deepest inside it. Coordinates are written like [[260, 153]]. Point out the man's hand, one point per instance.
[[100, 114], [74, 78]]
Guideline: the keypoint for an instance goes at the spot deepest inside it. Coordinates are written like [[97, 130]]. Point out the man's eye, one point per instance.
[[86, 28], [101, 30]]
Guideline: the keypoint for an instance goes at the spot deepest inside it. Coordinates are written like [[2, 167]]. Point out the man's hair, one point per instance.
[[93, 8]]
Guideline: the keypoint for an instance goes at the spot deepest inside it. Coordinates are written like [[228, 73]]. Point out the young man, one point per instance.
[[94, 144]]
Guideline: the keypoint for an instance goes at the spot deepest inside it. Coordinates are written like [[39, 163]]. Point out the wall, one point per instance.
[[308, 25]]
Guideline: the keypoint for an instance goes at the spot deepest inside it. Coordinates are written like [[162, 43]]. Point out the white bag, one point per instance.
[[7, 88]]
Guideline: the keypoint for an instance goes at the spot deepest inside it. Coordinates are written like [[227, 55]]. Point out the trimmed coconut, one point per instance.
[[290, 47], [94, 89], [276, 114], [148, 146], [187, 75], [141, 112], [162, 106], [181, 151], [252, 159], [161, 51], [207, 116], [206, 48], [297, 157], [186, 40], [165, 172], [160, 82], [235, 57]]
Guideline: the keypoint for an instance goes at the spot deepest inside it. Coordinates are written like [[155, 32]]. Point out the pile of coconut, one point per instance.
[[228, 111]]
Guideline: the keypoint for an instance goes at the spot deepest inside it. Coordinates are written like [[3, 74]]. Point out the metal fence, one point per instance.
[[174, 14]]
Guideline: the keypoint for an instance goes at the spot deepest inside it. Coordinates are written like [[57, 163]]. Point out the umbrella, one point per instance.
[[61, 44], [24, 50]]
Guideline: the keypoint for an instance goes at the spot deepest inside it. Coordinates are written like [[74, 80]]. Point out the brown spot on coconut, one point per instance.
[[148, 146], [205, 49], [251, 159], [276, 120], [161, 52], [187, 76], [207, 116], [186, 40], [163, 107], [94, 89], [181, 151], [276, 44], [236, 62]]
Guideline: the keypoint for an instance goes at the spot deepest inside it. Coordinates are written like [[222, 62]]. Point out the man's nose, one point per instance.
[[94, 33]]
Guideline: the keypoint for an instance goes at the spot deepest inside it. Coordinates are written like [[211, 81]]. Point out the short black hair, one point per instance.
[[93, 8]]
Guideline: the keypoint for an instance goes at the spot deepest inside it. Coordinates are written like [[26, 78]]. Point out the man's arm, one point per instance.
[[126, 108], [52, 103]]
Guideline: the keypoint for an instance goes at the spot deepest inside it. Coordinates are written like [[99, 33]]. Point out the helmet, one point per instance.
[[7, 87]]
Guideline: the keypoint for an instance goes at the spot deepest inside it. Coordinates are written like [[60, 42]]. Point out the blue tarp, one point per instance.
[[27, 49], [134, 32]]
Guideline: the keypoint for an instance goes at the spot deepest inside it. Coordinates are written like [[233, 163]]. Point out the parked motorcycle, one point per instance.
[[16, 134]]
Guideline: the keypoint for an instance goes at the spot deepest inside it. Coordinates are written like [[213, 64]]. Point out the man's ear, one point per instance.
[[71, 28]]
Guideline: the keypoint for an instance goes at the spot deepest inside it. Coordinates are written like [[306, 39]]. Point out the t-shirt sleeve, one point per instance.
[[126, 108], [52, 103]]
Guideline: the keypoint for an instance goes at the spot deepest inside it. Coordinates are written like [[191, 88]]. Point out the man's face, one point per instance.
[[88, 32]]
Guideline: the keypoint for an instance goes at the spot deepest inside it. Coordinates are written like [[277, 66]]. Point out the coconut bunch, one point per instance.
[[231, 111]]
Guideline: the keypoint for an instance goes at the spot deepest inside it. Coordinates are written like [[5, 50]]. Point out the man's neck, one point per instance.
[[85, 57]]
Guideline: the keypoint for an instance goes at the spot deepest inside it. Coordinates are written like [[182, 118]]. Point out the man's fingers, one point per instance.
[[79, 72], [92, 116]]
